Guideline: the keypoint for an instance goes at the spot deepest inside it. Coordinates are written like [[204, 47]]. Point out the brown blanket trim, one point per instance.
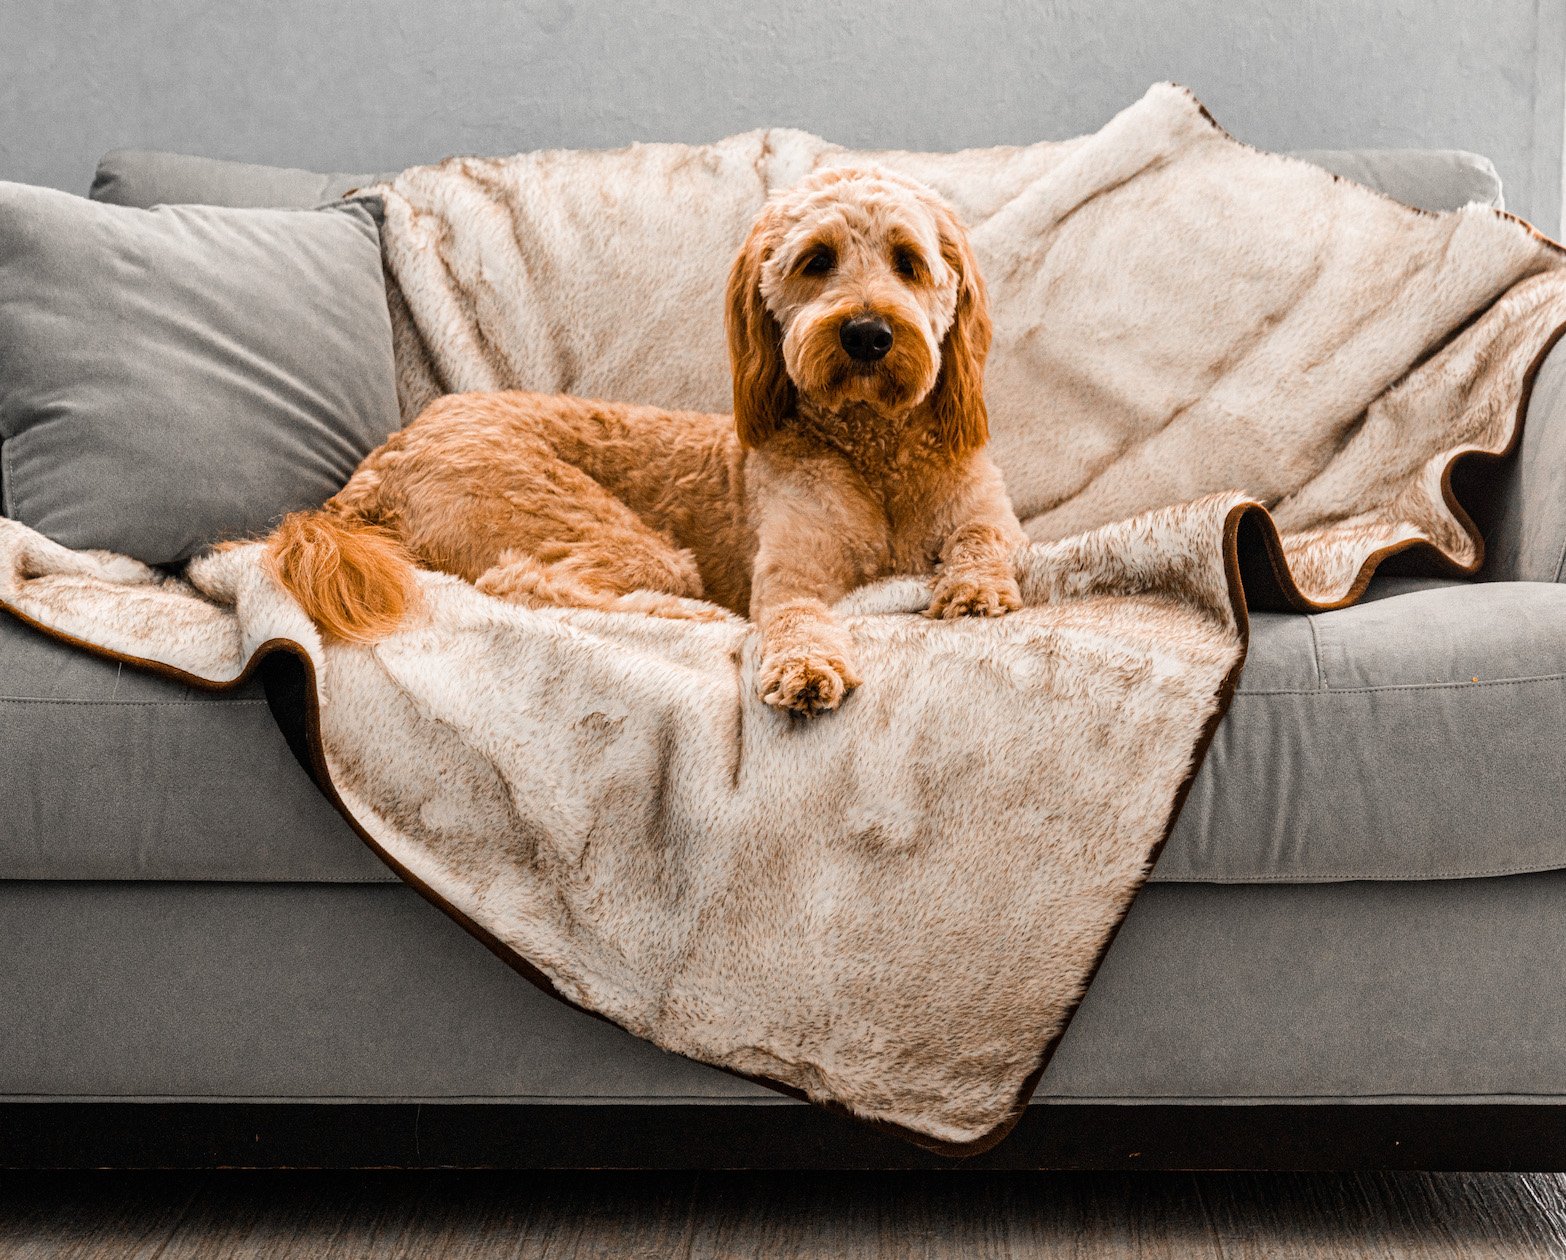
[[1438, 560], [1256, 569]]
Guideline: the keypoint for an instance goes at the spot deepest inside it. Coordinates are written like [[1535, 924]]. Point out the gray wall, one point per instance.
[[379, 84]]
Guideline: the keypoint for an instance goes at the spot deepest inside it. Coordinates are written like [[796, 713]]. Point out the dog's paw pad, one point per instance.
[[974, 597], [808, 683]]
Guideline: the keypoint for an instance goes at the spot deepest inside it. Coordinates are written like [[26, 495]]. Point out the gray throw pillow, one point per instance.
[[173, 377], [145, 177]]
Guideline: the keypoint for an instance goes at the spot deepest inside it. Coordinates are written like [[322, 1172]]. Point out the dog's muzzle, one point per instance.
[[866, 338]]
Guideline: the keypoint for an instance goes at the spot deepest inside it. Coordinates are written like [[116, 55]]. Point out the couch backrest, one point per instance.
[[1430, 179]]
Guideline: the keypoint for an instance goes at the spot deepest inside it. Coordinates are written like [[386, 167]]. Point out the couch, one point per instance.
[[1350, 953]]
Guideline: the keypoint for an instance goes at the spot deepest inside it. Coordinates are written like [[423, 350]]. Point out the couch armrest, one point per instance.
[[1526, 536]]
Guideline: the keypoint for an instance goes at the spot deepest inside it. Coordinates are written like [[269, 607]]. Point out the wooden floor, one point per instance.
[[626, 1216]]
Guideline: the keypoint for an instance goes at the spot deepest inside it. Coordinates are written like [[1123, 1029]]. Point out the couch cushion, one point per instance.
[[1430, 179], [107, 772], [1416, 736], [146, 177], [186, 374]]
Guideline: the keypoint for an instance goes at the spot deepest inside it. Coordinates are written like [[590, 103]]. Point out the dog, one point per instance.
[[857, 327]]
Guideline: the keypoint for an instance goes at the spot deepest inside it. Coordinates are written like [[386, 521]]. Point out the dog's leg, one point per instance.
[[812, 551], [977, 578], [543, 533], [631, 584], [806, 658]]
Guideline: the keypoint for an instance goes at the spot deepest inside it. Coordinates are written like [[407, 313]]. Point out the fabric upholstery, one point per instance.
[[1410, 737], [1336, 759], [112, 773], [1431, 179], [1392, 991], [147, 177], [182, 375], [1526, 538], [1434, 990]]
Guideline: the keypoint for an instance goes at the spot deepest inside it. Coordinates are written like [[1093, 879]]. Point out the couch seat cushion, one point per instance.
[[108, 772], [1416, 736]]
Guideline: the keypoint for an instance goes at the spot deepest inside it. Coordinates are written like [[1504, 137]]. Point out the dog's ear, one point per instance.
[[961, 421], [763, 392]]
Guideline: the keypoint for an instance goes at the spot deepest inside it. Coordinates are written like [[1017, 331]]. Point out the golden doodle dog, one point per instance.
[[857, 331]]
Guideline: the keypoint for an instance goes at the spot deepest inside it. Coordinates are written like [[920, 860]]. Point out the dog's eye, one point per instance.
[[906, 263], [818, 264]]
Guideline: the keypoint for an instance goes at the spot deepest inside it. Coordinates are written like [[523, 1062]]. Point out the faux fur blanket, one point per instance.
[[893, 909]]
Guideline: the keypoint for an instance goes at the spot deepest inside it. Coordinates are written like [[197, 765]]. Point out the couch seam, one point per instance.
[[431, 1099], [1315, 656], [1134, 1099], [13, 508], [1426, 686]]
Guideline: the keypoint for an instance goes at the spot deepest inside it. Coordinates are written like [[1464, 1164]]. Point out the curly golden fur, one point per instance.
[[845, 460]]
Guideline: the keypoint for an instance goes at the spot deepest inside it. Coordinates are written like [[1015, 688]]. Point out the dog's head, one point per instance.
[[858, 286]]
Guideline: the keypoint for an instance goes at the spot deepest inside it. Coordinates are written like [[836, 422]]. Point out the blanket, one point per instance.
[[1216, 373]]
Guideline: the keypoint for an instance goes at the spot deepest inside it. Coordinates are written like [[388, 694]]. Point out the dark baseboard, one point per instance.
[[1454, 1137]]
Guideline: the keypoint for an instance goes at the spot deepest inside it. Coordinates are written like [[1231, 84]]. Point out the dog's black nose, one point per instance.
[[866, 338]]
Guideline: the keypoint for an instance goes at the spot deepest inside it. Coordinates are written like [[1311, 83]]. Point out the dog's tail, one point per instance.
[[353, 577]]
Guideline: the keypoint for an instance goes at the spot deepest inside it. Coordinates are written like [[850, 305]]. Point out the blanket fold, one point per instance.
[[1210, 362]]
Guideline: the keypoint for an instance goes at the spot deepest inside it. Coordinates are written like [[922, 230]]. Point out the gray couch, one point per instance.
[[1351, 951]]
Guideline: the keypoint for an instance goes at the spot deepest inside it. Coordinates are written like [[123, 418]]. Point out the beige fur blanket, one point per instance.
[[893, 909]]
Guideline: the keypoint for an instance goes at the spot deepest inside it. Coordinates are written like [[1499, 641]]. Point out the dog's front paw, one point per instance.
[[960, 594], [807, 679]]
